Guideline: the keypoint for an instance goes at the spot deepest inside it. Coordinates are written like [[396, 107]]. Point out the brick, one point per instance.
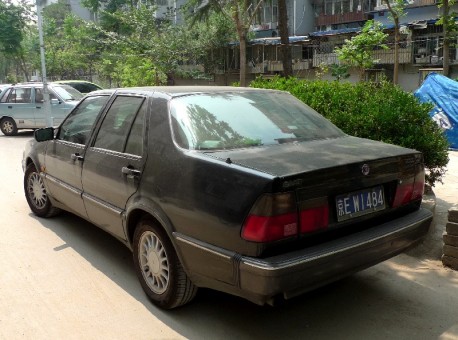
[[450, 240], [453, 214], [451, 262], [450, 251], [452, 228]]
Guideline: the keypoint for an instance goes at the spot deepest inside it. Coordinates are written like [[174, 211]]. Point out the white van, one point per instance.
[[21, 106]]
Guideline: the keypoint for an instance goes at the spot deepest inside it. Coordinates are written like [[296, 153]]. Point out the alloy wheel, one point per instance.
[[154, 262], [37, 191]]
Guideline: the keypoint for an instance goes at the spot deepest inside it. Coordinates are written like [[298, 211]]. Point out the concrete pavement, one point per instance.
[[445, 197], [63, 278]]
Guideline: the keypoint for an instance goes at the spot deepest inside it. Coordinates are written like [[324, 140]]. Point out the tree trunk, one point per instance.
[[243, 61], [284, 35], [446, 42], [242, 33], [397, 39]]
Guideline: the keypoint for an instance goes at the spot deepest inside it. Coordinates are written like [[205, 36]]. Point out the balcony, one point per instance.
[[274, 66], [323, 19], [381, 57]]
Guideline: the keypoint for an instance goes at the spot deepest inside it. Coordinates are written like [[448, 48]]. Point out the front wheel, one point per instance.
[[158, 268], [36, 195], [8, 126]]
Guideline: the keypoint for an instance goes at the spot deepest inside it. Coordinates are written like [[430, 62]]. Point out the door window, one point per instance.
[[117, 124], [20, 95], [78, 125], [39, 98], [134, 144]]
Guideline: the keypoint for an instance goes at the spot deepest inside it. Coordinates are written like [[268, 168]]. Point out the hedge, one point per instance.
[[379, 111]]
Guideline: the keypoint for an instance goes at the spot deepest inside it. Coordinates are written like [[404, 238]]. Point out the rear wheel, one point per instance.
[[36, 195], [8, 126], [158, 268]]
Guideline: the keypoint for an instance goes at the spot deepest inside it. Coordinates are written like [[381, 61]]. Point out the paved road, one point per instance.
[[62, 278]]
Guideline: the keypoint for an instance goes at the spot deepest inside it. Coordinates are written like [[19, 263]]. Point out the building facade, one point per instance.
[[328, 23]]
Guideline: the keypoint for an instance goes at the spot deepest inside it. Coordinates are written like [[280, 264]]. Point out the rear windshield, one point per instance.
[[245, 119], [67, 93]]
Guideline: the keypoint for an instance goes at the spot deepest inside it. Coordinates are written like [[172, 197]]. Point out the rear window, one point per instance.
[[245, 119]]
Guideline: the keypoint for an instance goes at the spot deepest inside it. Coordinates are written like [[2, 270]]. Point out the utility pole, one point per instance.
[[46, 102]]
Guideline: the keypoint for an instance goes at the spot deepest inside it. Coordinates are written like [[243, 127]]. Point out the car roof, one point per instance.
[[73, 81], [175, 91], [32, 83]]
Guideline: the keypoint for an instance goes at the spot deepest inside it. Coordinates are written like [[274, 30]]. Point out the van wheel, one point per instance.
[[158, 268], [8, 127]]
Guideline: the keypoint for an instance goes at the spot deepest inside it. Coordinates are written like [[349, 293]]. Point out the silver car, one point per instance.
[[21, 106]]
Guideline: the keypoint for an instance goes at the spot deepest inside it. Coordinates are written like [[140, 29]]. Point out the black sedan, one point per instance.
[[246, 191]]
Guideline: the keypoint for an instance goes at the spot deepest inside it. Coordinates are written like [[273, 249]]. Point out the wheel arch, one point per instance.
[[147, 210], [159, 218]]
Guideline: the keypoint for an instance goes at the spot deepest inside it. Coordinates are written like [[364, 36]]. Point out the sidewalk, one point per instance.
[[445, 196]]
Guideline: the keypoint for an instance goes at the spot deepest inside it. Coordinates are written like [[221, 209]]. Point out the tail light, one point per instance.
[[273, 217], [277, 216], [410, 189], [314, 218]]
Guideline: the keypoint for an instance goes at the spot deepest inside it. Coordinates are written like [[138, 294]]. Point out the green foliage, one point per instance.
[[396, 8], [339, 71], [358, 50], [448, 21], [14, 29], [378, 111]]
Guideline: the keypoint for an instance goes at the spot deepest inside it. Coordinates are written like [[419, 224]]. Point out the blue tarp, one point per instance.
[[443, 93]]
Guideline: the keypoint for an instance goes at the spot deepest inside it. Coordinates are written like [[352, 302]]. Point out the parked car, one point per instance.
[[245, 191], [81, 85], [21, 106]]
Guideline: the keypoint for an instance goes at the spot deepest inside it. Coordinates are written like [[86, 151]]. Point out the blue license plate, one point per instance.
[[360, 203]]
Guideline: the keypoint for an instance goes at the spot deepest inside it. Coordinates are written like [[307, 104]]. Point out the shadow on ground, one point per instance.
[[351, 308]]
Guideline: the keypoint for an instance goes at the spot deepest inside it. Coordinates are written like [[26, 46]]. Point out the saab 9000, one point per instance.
[[241, 190]]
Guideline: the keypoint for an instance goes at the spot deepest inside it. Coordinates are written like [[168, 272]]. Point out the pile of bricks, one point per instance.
[[450, 250]]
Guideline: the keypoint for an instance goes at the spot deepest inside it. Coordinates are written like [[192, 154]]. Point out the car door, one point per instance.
[[65, 154], [59, 109], [18, 105], [113, 164]]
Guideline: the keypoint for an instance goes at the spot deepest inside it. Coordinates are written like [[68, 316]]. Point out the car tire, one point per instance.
[[158, 267], [8, 126], [36, 195]]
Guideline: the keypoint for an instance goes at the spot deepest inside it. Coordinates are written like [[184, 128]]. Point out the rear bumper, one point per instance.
[[291, 274]]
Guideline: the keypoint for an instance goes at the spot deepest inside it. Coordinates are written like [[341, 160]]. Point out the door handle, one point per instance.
[[76, 157], [130, 172], [10, 107]]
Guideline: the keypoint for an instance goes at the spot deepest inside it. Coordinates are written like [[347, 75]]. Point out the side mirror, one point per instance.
[[55, 101], [45, 134]]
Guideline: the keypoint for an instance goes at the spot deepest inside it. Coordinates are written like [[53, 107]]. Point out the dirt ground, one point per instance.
[[63, 278]]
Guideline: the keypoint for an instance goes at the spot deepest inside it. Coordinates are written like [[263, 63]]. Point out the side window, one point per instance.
[[134, 144], [117, 123], [77, 126], [38, 95], [6, 95], [20, 95]]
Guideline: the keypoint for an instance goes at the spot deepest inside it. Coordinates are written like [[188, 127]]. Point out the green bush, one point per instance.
[[378, 111]]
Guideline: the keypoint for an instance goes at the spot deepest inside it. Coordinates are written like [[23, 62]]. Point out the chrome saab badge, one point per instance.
[[365, 169]]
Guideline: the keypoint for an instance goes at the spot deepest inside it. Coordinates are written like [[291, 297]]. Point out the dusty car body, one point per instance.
[[245, 191]]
